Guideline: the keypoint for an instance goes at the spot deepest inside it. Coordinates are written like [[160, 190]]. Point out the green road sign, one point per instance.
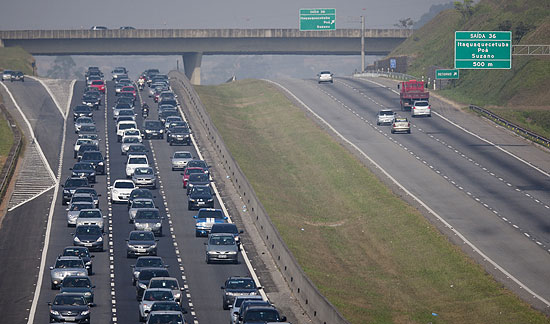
[[483, 50], [317, 19], [446, 74]]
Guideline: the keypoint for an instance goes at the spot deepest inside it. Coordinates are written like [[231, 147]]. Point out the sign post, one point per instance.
[[317, 19], [483, 50]]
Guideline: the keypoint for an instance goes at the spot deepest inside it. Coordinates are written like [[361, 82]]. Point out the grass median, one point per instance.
[[377, 259], [6, 138]]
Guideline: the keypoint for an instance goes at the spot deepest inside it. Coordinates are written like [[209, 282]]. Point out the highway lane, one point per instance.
[[471, 197], [114, 293]]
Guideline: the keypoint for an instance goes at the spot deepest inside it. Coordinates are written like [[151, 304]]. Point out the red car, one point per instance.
[[99, 85], [129, 89], [187, 172]]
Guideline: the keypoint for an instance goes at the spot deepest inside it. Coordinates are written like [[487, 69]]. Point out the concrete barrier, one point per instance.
[[319, 309]]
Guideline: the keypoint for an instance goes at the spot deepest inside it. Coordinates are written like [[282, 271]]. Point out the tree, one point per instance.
[[466, 8], [404, 23]]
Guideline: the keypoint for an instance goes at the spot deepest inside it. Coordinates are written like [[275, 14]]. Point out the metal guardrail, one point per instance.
[[9, 167], [319, 309], [393, 75], [511, 126]]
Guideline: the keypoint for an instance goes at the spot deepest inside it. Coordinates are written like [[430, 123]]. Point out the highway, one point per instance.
[[180, 249], [497, 201]]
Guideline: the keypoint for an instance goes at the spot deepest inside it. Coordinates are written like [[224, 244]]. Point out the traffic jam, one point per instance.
[[131, 216]]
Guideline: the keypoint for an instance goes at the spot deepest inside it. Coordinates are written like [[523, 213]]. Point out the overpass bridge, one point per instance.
[[192, 44]]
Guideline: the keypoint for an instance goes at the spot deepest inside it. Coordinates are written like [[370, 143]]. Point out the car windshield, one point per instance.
[[147, 214], [143, 171], [421, 104], [194, 170], [164, 283], [126, 112], [325, 72], [79, 252], [88, 128], [166, 318], [198, 177], [92, 156], [79, 206], [149, 262], [143, 204], [63, 264], [82, 109], [128, 88], [157, 295], [130, 139], [136, 160], [200, 190], [90, 191], [182, 155], [180, 129], [224, 228], [90, 214], [82, 198], [81, 141], [97, 82], [153, 124], [264, 315], [401, 120], [83, 166], [137, 148], [166, 306], [126, 126], [222, 240], [76, 282], [89, 136], [241, 283], [197, 163], [88, 230], [63, 299], [84, 120], [148, 274], [81, 182], [141, 193], [124, 184], [142, 236], [386, 113], [210, 214], [134, 132]]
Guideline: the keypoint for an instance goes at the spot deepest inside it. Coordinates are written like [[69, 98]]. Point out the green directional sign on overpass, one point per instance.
[[317, 19], [483, 50], [446, 74]]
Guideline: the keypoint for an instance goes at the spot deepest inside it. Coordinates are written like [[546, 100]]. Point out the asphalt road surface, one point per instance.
[[497, 201]]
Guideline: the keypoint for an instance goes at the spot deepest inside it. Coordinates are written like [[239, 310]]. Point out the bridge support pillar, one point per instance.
[[192, 65]]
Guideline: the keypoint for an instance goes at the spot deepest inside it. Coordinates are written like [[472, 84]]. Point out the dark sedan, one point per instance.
[[84, 170], [201, 196], [70, 186], [69, 307], [90, 236], [179, 135], [238, 286], [141, 243], [83, 253], [79, 285], [82, 111], [96, 159], [143, 279]]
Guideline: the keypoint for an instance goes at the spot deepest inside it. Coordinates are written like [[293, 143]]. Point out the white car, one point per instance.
[[150, 296], [127, 141], [90, 217], [325, 76], [121, 189], [124, 125], [132, 132], [136, 161], [385, 117], [421, 108], [79, 142], [180, 159]]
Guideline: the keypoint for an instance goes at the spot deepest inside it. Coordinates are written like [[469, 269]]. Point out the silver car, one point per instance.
[[81, 121], [150, 296], [137, 204], [148, 219], [74, 210], [127, 141], [385, 117], [66, 266], [144, 177], [168, 283], [222, 247], [180, 160], [91, 217]]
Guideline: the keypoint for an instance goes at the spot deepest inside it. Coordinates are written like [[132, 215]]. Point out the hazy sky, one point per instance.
[[73, 14]]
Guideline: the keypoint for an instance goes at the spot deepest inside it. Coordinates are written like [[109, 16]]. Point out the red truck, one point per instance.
[[411, 91]]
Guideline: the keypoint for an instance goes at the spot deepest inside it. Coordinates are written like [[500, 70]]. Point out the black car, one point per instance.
[[199, 164], [128, 95], [261, 314], [153, 129], [125, 100], [96, 159], [82, 111], [179, 135], [141, 243], [83, 253], [238, 286], [200, 197], [17, 76], [167, 113], [90, 191], [84, 169], [91, 101], [85, 148], [168, 101], [197, 179], [90, 236], [70, 186], [143, 279], [87, 129], [146, 262], [167, 306], [139, 193], [69, 307], [79, 285]]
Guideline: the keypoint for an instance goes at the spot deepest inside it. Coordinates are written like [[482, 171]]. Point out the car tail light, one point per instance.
[[393, 125]]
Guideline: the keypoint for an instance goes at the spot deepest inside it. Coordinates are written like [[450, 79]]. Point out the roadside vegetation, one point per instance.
[[15, 58], [519, 92], [377, 259], [6, 137]]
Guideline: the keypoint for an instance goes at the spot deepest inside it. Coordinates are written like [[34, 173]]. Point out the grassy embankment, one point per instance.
[[520, 94], [6, 138], [377, 259]]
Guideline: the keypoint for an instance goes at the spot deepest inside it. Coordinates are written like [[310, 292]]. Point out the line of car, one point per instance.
[[9, 75]]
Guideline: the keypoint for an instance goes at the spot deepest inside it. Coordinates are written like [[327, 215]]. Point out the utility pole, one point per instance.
[[362, 44]]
